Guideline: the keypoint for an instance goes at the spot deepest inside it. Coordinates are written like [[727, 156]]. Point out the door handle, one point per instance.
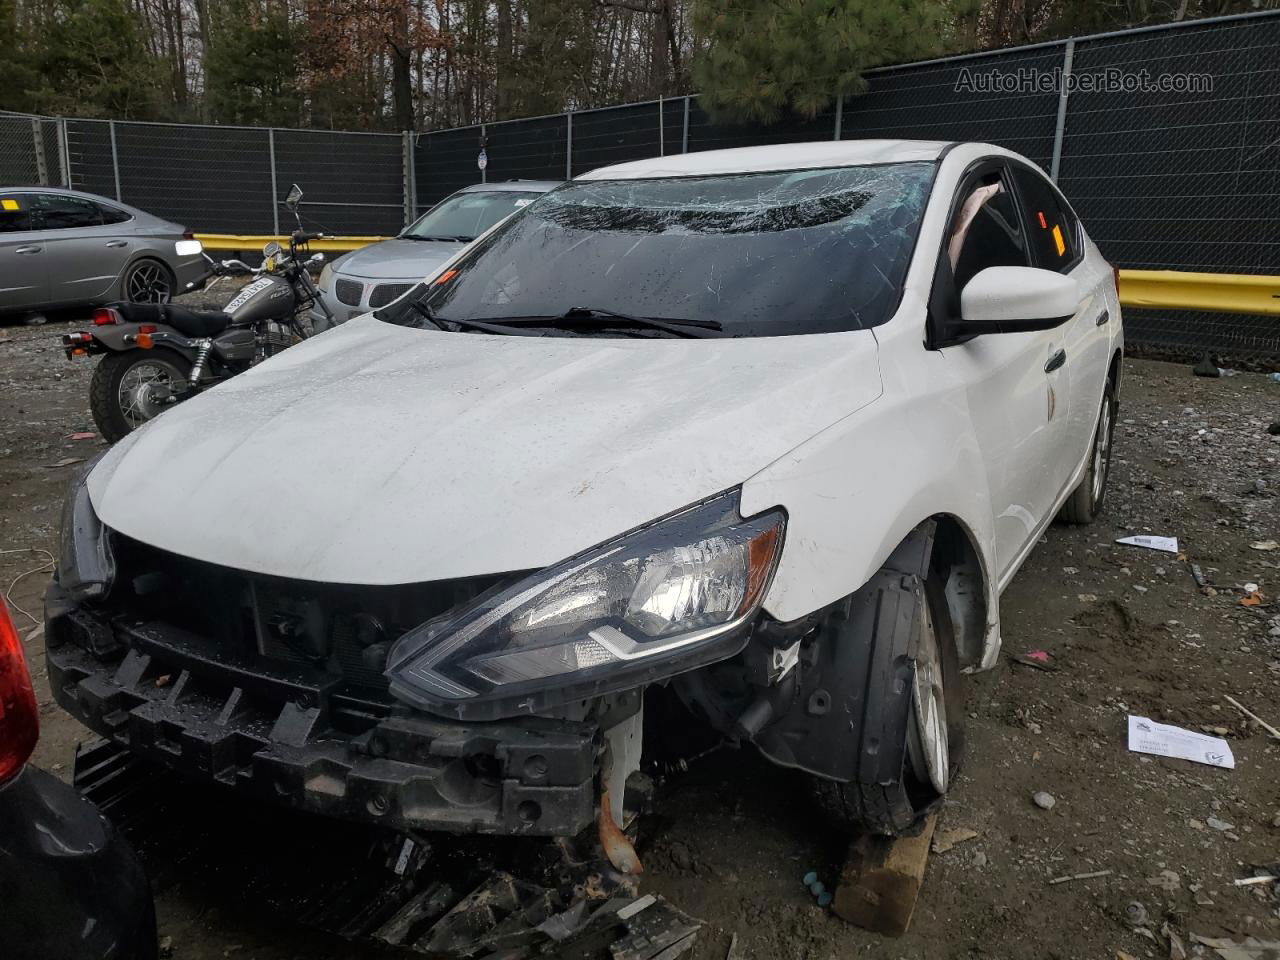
[[1057, 360], [117, 243], [28, 249], [1103, 317]]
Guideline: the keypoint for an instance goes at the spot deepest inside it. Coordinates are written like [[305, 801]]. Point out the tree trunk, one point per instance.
[[401, 68]]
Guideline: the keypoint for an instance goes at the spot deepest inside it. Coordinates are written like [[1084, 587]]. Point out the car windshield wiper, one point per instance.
[[426, 311], [579, 316], [443, 238]]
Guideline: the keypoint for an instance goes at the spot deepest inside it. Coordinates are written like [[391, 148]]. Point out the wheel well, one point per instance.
[[1113, 373], [957, 562]]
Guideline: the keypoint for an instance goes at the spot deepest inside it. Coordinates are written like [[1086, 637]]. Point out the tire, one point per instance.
[[899, 806], [117, 373], [147, 281], [1087, 500]]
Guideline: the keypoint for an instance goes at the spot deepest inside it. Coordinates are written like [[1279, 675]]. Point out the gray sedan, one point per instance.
[[373, 276], [63, 248]]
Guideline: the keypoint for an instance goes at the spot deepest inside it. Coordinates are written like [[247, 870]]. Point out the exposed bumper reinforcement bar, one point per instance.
[[291, 739]]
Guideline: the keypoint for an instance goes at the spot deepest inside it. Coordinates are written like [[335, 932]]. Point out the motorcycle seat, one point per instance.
[[191, 323]]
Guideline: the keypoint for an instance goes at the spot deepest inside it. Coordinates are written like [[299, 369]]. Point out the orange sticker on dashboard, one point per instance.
[[1058, 241], [445, 277]]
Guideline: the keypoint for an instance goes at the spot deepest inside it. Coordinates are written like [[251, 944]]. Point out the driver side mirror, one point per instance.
[[1016, 299], [294, 198]]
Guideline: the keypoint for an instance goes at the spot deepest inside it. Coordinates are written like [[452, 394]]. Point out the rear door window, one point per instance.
[[1049, 220], [15, 213], [58, 212]]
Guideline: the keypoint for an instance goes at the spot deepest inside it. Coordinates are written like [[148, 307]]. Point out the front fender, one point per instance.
[[856, 490]]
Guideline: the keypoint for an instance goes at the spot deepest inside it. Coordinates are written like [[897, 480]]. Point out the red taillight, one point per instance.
[[188, 235], [105, 316], [1115, 275], [19, 722]]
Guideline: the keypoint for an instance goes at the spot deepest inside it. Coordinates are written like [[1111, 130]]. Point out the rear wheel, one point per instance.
[[128, 389], [1086, 501], [934, 732], [147, 281]]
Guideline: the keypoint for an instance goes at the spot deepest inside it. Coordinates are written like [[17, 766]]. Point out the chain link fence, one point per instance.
[[1166, 140]]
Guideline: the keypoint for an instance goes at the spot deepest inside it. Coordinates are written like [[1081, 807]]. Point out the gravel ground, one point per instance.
[[1127, 631]]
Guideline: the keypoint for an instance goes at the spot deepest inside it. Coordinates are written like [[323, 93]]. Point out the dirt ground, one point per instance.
[[1127, 631]]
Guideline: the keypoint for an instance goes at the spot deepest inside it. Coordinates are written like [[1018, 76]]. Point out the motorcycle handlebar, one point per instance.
[[305, 236]]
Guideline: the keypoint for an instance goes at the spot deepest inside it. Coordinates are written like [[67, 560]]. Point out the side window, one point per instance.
[[112, 214], [985, 231], [1052, 226], [58, 212], [15, 213]]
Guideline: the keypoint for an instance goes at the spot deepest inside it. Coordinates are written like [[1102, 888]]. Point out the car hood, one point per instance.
[[378, 454], [396, 259]]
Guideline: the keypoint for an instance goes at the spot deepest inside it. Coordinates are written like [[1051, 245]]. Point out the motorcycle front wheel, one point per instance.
[[128, 389]]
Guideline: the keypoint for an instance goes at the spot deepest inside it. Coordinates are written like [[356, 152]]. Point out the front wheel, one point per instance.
[[931, 741], [128, 389]]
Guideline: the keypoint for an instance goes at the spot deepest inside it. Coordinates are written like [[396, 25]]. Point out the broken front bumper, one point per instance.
[[288, 736]]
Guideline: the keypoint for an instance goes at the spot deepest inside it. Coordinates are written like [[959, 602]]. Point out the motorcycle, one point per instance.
[[159, 354]]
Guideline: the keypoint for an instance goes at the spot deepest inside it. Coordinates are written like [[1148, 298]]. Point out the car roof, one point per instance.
[[523, 186], [783, 156]]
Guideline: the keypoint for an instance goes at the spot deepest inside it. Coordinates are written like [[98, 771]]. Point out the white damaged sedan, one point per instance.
[[768, 429]]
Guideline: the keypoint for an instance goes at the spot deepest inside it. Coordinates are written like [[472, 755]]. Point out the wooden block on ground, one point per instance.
[[881, 881]]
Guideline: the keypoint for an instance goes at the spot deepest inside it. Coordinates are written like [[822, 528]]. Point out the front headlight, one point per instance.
[[666, 598], [326, 277], [86, 566]]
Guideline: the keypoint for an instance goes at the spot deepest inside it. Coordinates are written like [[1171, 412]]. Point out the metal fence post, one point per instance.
[[1067, 57], [568, 145], [275, 195], [37, 135], [410, 179], [115, 158], [662, 132], [64, 148], [684, 137], [839, 116], [484, 145]]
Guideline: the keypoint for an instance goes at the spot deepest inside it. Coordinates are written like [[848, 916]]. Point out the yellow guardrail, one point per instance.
[[239, 241], [1210, 292], [1151, 289]]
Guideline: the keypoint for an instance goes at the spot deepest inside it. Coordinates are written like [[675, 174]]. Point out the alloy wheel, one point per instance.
[[928, 744], [147, 283], [1102, 450]]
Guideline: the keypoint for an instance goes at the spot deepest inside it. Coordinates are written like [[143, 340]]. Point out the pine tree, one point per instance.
[[766, 58]]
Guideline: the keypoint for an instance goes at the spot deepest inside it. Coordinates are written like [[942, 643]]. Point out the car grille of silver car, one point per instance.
[[386, 292], [349, 292]]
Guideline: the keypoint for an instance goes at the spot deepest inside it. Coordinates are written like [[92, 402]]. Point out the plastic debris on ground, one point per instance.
[[1165, 544], [1165, 740]]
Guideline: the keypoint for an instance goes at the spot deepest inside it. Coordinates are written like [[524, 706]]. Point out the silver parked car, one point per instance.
[[374, 276], [63, 248]]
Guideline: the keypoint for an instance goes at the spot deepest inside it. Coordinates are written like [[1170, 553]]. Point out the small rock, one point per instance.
[[1166, 880], [166, 947], [1044, 801], [1215, 824], [1135, 914], [979, 859]]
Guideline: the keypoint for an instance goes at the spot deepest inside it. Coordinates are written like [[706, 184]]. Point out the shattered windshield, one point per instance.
[[759, 254]]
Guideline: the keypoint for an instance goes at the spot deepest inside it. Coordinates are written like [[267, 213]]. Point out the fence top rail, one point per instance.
[[201, 126]]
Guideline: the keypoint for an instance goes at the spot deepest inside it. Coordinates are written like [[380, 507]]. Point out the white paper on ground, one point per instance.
[[1163, 740], [1167, 544]]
